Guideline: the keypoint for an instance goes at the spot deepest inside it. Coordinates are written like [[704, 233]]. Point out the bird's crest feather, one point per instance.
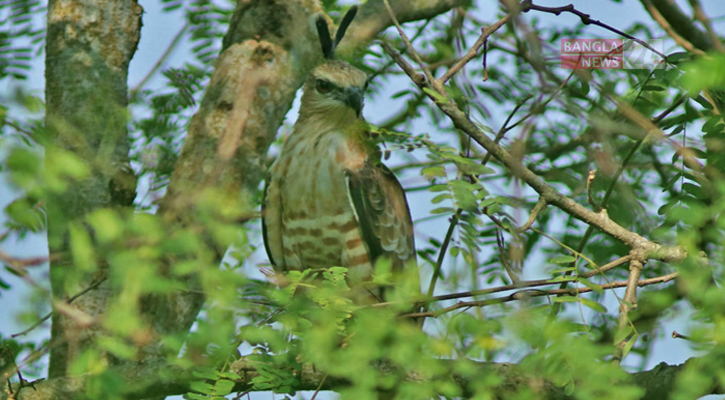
[[328, 46]]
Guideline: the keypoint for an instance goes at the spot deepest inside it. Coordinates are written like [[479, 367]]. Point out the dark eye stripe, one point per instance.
[[324, 86]]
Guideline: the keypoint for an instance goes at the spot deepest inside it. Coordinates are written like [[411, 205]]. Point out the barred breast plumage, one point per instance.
[[329, 201]]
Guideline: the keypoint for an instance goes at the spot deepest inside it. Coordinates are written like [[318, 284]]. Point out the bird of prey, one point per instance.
[[329, 201]]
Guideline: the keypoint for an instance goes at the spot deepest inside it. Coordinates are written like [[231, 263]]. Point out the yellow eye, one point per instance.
[[323, 86]]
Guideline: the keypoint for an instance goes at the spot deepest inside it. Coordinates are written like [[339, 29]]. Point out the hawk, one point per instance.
[[328, 199]]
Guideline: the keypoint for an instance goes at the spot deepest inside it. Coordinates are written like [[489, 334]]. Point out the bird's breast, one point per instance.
[[319, 226]]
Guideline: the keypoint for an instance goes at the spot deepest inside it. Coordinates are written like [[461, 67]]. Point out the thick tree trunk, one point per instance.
[[657, 384], [89, 46]]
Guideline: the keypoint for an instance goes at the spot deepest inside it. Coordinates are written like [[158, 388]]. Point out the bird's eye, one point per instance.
[[323, 86]]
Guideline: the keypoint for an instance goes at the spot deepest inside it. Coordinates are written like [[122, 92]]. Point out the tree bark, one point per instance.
[[89, 47], [159, 379]]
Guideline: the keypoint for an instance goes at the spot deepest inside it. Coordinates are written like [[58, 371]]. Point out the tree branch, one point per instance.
[[473, 51], [160, 379], [599, 219], [586, 19], [629, 302], [678, 22], [525, 294]]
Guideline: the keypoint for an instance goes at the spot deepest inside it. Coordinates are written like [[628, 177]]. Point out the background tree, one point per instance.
[[593, 180]]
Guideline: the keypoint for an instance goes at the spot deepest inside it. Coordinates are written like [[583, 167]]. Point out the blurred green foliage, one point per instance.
[[665, 184]]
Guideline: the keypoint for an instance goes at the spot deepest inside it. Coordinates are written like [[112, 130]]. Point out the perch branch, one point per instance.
[[525, 294]]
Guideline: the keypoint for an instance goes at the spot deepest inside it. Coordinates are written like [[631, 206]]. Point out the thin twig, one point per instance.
[[322, 382], [587, 20], [70, 300], [629, 303], [409, 45], [517, 285], [506, 128], [615, 179], [481, 292], [525, 294], [17, 127], [606, 267], [501, 245], [590, 197], [384, 68], [442, 253], [540, 205], [161, 61], [19, 264], [678, 102], [677, 335], [485, 33]]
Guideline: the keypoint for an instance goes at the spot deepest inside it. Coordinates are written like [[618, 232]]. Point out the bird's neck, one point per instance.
[[329, 117], [345, 123]]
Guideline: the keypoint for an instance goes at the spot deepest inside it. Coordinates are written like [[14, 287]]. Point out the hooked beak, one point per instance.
[[354, 99]]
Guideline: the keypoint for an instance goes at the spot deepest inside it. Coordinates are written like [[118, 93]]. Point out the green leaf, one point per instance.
[[116, 347], [713, 125], [223, 387], [202, 387], [400, 94], [106, 224], [591, 285], [667, 206], [562, 259], [463, 194], [434, 171], [205, 374], [82, 248], [622, 334], [628, 346], [593, 305], [230, 375], [703, 102], [439, 98], [699, 73], [563, 279], [441, 197], [562, 270], [27, 214], [569, 388], [565, 299], [679, 56], [653, 88]]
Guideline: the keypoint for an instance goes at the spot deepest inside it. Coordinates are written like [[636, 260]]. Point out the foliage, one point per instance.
[[640, 148], [20, 32]]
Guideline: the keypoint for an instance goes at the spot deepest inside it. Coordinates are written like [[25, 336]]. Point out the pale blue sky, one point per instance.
[[159, 28]]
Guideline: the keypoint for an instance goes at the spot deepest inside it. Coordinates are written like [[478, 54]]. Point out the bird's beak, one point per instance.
[[354, 99]]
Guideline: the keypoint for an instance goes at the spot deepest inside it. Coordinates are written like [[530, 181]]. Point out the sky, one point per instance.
[[157, 32]]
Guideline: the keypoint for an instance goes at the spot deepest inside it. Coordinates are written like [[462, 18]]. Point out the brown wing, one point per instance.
[[271, 222], [383, 214]]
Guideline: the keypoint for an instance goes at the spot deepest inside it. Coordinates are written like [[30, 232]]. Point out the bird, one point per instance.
[[328, 199]]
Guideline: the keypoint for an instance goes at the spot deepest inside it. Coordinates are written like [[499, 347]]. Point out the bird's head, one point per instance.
[[335, 88]]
